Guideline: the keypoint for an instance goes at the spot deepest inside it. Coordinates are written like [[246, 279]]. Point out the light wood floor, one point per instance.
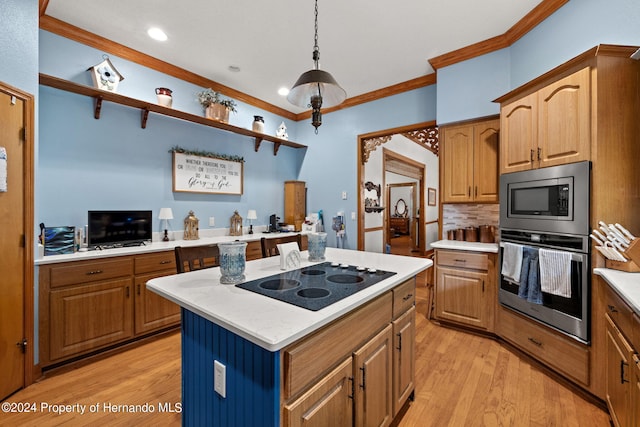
[[461, 380]]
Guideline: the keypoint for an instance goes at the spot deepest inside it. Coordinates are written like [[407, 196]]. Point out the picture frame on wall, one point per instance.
[[201, 174], [431, 196]]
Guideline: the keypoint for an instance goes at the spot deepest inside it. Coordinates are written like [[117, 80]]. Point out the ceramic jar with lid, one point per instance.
[[258, 124]]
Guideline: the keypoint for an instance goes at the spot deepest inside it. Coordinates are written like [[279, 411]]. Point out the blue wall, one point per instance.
[[112, 163], [19, 44], [466, 89]]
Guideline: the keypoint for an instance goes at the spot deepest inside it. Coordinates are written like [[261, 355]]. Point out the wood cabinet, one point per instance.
[[465, 288], [470, 161], [549, 127], [345, 375], [90, 305], [373, 394], [295, 203], [619, 357], [328, 403], [399, 225]]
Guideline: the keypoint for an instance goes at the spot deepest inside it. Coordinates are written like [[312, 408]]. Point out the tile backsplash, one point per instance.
[[469, 215]]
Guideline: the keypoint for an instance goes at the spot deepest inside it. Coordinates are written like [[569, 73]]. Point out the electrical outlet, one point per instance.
[[220, 378], [353, 215], [212, 221], [344, 195]]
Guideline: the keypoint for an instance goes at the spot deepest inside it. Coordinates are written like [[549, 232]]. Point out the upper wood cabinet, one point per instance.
[[470, 162], [548, 127]]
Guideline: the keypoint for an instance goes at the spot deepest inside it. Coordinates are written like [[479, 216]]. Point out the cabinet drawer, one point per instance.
[[619, 312], [308, 359], [254, 250], [555, 350], [460, 259], [155, 262], [404, 297], [90, 271]]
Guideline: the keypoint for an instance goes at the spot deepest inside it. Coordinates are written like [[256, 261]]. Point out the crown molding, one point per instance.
[[522, 27]]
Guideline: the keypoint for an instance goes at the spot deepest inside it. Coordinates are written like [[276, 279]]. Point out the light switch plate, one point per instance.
[[212, 221]]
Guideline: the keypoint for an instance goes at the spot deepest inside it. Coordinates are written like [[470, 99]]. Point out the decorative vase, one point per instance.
[[164, 96], [232, 262], [258, 124], [316, 246], [217, 112]]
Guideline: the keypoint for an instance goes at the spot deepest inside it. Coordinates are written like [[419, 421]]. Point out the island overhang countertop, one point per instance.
[[267, 322]]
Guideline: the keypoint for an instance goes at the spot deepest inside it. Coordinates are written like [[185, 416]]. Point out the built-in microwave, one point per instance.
[[551, 199]]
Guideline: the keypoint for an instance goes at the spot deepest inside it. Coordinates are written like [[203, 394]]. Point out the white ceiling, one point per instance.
[[365, 44]]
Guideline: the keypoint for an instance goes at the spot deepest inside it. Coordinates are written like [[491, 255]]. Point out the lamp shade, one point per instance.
[[313, 83], [251, 214], [165, 213]]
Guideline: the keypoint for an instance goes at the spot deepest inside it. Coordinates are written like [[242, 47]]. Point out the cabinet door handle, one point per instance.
[[539, 151], [531, 155], [399, 347], [364, 376], [408, 297], [460, 260], [127, 292], [612, 308], [469, 191], [93, 272], [353, 390], [535, 341], [165, 262], [622, 365], [483, 286], [476, 192], [138, 290]]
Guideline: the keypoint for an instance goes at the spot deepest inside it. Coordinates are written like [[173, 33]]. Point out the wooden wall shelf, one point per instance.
[[100, 96]]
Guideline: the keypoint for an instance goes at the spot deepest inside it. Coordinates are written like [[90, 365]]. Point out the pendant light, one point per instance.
[[316, 87]]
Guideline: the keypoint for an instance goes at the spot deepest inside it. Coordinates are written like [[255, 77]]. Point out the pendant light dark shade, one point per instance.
[[316, 88]]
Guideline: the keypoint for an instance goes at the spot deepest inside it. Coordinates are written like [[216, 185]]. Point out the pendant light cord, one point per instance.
[[316, 49]]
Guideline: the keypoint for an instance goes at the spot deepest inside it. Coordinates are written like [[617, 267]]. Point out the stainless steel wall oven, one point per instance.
[[549, 209]]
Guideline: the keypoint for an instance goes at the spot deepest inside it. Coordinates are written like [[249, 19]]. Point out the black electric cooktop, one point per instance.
[[317, 286]]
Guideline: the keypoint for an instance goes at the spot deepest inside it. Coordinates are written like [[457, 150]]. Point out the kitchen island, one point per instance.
[[276, 355]]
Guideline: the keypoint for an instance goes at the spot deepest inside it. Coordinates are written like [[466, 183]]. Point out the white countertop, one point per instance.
[[460, 245], [265, 321], [154, 247], [627, 285]]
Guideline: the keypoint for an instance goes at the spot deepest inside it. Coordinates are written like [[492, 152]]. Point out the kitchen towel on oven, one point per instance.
[[555, 272], [529, 288], [512, 262]]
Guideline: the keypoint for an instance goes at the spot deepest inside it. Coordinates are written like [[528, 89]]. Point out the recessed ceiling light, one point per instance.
[[234, 68], [283, 91], [157, 34]]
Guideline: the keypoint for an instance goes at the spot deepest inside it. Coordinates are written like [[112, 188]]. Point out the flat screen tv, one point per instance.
[[118, 228]]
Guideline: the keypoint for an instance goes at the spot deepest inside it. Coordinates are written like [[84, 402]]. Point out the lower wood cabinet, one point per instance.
[[618, 375], [89, 316], [368, 358], [465, 291], [90, 305]]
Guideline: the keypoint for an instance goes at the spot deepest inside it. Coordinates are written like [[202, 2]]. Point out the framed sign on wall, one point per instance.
[[194, 173]]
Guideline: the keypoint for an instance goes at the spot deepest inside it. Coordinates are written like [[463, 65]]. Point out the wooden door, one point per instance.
[[460, 296], [458, 163], [16, 241], [403, 358], [151, 310], [618, 367], [564, 120], [485, 157], [518, 134], [373, 385], [328, 403]]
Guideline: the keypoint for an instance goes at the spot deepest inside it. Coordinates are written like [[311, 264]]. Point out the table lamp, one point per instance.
[[251, 215], [165, 215]]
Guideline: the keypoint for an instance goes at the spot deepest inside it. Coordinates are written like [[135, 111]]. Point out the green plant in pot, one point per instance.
[[215, 106]]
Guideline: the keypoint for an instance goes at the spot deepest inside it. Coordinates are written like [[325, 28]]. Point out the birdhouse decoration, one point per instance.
[[105, 76], [282, 131]]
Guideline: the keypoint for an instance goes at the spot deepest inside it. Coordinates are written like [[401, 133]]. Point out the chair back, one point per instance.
[[270, 246], [190, 258]]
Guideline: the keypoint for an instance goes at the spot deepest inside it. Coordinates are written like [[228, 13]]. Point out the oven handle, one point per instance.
[[579, 257]]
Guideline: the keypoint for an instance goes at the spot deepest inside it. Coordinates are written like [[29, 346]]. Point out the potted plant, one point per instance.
[[215, 106]]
